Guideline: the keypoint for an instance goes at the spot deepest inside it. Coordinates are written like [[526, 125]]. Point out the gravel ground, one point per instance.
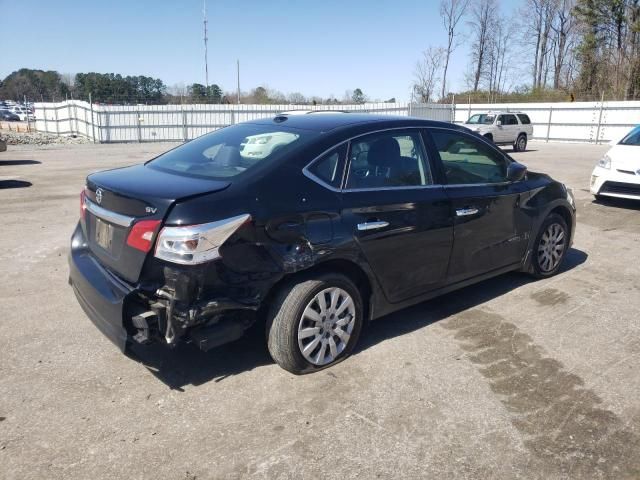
[[511, 378], [39, 138]]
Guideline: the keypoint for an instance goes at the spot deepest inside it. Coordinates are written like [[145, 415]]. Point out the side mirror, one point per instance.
[[499, 123], [516, 172]]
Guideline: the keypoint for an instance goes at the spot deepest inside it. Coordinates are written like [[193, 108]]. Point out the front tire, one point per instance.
[[315, 323], [550, 247]]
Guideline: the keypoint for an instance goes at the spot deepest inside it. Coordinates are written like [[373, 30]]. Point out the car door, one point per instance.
[[491, 229], [500, 130], [400, 219], [511, 128]]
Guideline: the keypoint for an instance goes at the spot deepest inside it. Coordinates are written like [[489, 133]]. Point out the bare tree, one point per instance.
[[563, 44], [451, 12], [548, 13], [499, 42], [537, 18], [296, 98], [426, 73], [483, 15]]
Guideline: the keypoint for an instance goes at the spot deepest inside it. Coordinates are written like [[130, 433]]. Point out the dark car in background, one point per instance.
[[346, 218], [8, 116]]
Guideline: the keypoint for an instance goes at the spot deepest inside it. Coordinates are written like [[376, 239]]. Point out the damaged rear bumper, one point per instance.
[[125, 314], [101, 295]]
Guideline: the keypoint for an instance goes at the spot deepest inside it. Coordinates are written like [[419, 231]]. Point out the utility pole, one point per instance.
[[206, 62], [238, 71]]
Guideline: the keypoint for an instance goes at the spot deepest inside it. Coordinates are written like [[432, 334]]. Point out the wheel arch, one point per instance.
[[559, 207], [565, 213], [348, 268]]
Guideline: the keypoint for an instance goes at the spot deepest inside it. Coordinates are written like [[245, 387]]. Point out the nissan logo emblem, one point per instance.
[[99, 195]]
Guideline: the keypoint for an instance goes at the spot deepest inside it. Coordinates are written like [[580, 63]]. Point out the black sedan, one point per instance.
[[313, 224], [8, 116]]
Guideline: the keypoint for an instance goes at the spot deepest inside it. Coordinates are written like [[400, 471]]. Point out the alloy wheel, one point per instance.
[[326, 326], [551, 247]]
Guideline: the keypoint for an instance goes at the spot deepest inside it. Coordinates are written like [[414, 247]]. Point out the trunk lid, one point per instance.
[[117, 199]]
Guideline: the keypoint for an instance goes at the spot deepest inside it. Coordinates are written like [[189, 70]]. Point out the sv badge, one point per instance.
[[150, 210]]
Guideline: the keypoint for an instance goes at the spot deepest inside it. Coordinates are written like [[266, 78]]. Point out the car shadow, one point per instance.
[[14, 184], [186, 365], [625, 203], [439, 308], [510, 150], [10, 163]]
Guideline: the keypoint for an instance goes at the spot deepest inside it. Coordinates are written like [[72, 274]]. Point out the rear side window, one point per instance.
[[633, 138], [330, 166], [524, 118], [510, 120], [467, 160], [230, 151], [388, 159]]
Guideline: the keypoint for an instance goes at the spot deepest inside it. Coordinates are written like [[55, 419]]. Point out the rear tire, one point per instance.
[[550, 247], [315, 323], [520, 144]]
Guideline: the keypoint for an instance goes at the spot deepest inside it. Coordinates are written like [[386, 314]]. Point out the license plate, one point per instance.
[[104, 234]]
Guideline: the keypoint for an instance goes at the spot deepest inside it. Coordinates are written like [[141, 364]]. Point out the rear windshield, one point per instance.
[[632, 138], [482, 118], [230, 151]]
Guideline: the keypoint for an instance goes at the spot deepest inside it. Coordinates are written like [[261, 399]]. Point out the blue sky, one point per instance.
[[320, 47]]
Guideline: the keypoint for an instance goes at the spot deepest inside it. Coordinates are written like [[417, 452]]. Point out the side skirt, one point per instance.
[[394, 307]]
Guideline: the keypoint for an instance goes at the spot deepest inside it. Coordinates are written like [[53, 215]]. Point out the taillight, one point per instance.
[[195, 244], [141, 234], [83, 206]]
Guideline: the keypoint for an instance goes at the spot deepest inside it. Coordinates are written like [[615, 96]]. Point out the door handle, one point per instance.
[[372, 225], [463, 212]]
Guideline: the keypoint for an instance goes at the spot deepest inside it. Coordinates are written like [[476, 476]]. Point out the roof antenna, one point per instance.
[[206, 62]]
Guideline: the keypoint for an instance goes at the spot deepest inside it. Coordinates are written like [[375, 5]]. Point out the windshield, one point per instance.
[[481, 118], [229, 151], [632, 138]]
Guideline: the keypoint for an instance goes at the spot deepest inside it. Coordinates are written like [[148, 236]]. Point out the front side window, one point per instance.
[[230, 151], [388, 159], [632, 138], [481, 119], [467, 160]]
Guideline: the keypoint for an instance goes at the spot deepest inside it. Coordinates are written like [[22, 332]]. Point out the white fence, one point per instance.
[[153, 123], [580, 121]]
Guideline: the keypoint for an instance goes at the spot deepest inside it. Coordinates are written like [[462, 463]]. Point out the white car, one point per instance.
[[503, 128], [617, 173], [260, 146], [23, 113]]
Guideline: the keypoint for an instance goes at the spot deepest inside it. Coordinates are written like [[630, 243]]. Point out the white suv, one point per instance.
[[23, 113], [503, 128]]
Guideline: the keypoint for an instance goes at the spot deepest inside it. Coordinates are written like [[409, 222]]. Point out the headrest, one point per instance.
[[384, 152]]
